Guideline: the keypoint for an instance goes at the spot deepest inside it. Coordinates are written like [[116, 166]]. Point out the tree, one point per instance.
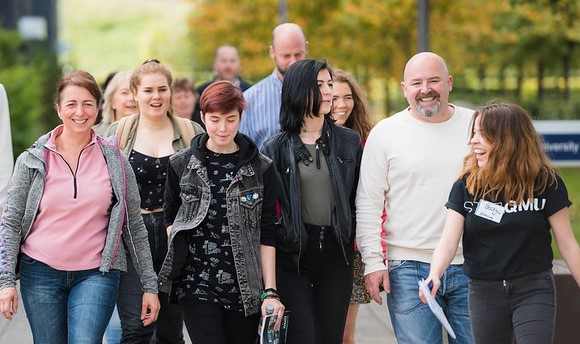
[[29, 73], [374, 38], [244, 24], [468, 37], [549, 31]]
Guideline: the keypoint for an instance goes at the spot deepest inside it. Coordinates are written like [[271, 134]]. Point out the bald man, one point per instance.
[[261, 118], [409, 164]]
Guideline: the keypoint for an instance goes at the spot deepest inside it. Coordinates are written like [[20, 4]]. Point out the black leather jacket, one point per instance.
[[343, 150]]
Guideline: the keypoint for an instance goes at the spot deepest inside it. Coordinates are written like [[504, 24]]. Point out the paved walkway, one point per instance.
[[373, 327], [373, 324]]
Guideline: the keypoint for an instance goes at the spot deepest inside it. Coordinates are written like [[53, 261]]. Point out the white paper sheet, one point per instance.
[[435, 308]]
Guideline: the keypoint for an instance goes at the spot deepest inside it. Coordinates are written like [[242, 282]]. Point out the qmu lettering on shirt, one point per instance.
[[535, 204]]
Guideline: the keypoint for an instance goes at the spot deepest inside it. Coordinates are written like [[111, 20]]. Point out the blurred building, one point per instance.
[[36, 20]]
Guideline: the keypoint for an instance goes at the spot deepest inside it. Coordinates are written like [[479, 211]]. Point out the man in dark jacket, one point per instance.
[[227, 66]]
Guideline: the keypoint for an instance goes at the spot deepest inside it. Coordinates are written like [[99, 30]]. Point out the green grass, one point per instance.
[[571, 176]]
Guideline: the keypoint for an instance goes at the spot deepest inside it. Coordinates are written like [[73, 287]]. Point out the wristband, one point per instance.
[[269, 293]]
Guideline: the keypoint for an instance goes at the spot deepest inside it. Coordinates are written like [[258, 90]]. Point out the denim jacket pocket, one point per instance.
[[251, 208], [190, 201]]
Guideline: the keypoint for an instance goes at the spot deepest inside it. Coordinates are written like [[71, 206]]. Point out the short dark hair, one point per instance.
[[300, 93], [222, 97], [183, 83]]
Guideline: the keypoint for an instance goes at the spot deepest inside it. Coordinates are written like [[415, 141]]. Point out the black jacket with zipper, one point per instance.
[[342, 149]]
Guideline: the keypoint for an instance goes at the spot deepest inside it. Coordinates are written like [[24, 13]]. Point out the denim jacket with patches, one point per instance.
[[251, 219]]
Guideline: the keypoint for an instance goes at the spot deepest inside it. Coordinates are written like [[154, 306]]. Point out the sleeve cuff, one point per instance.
[[374, 266]]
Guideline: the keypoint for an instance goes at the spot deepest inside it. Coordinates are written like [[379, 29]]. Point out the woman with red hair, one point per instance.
[[220, 207]]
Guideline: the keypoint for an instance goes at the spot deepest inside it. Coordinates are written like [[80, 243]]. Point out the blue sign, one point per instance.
[[562, 146], [561, 141]]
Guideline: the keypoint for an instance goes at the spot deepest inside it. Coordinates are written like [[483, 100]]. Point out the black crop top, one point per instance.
[[151, 173]]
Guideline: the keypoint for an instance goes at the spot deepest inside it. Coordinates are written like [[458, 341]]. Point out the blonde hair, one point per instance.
[[517, 165], [109, 115]]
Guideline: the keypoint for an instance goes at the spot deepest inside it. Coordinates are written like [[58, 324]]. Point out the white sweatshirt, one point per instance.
[[408, 167], [6, 157]]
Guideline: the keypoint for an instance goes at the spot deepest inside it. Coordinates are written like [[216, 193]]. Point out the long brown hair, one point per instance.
[[517, 165], [360, 118]]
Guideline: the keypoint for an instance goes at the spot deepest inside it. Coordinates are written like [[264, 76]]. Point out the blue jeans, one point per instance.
[[523, 308], [413, 321], [113, 331], [67, 306]]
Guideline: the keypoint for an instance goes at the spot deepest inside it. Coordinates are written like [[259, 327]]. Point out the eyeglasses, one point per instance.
[[151, 60]]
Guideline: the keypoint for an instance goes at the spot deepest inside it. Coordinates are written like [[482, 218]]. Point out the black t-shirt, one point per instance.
[[512, 244], [210, 273]]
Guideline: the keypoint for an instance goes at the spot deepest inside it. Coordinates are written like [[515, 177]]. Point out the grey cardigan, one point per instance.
[[23, 199]]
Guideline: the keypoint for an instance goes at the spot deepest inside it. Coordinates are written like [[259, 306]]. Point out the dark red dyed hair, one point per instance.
[[222, 97]]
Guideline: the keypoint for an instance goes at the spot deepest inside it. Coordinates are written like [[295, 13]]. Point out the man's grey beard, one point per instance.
[[428, 113]]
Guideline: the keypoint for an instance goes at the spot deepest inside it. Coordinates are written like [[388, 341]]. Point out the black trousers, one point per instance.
[[208, 323], [168, 329], [523, 308], [319, 294]]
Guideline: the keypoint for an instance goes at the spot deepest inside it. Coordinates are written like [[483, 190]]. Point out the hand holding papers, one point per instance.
[[268, 332], [435, 308]]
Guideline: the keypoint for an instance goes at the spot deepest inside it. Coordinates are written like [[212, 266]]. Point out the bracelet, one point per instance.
[[269, 293]]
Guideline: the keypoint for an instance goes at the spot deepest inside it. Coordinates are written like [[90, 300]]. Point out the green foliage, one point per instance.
[[513, 48], [29, 73], [482, 40], [24, 94], [10, 45], [110, 35], [244, 24], [571, 177]]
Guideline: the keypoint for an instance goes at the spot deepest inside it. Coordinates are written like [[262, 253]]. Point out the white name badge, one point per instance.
[[490, 211]]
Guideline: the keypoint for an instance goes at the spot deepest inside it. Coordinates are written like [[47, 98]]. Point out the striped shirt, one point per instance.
[[261, 118]]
